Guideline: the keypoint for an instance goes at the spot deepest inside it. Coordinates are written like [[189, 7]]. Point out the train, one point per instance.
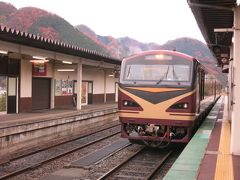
[[162, 97]]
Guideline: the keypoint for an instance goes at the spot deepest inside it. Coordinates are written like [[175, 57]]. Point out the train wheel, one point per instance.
[[157, 144], [134, 141]]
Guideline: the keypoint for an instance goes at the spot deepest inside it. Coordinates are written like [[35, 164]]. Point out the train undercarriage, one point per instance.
[[155, 135]]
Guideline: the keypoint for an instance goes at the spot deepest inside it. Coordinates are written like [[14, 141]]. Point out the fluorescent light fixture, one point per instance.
[[39, 57], [223, 30], [66, 62], [111, 75], [38, 61], [3, 52], [65, 70]]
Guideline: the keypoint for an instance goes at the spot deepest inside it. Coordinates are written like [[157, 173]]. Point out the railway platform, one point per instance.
[[207, 156], [7, 120], [21, 132]]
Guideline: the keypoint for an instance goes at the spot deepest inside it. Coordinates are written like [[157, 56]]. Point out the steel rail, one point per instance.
[[109, 173], [159, 165], [33, 166], [83, 135], [149, 175]]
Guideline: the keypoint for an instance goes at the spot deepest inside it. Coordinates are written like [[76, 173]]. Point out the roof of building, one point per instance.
[[215, 20], [28, 39]]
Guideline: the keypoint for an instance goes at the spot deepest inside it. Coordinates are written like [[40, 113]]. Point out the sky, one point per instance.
[[143, 20]]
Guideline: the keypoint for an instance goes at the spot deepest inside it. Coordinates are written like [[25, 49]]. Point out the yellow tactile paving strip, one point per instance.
[[224, 167]]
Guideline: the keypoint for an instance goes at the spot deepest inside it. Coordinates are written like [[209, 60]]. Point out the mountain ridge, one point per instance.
[[40, 22], [119, 47]]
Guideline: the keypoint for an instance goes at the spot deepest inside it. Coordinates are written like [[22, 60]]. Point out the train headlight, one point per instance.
[[183, 105], [128, 103]]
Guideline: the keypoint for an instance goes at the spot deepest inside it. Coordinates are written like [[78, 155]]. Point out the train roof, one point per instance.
[[162, 52]]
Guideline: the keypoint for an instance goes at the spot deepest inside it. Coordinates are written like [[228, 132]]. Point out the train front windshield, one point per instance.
[[157, 70]]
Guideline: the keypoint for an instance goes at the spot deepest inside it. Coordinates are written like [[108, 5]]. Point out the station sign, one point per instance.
[[39, 68]]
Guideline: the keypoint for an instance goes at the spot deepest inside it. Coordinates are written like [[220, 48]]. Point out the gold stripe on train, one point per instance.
[[156, 111], [147, 89]]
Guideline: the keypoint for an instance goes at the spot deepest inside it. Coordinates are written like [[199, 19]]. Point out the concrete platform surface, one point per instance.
[[187, 165], [207, 156], [39, 115]]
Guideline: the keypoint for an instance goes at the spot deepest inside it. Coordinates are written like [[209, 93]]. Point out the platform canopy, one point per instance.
[[215, 20], [28, 39]]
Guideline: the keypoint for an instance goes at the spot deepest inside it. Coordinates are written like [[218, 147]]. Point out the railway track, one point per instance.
[[33, 160], [141, 165]]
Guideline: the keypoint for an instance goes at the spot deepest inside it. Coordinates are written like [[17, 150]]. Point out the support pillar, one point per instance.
[[230, 79], [79, 85], [235, 125], [52, 104], [105, 86]]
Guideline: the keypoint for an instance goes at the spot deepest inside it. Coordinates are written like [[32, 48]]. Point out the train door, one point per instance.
[[199, 90], [116, 91]]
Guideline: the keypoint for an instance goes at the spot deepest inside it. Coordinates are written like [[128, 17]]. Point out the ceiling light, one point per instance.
[[223, 30], [66, 62], [38, 61], [65, 70], [39, 57], [3, 52]]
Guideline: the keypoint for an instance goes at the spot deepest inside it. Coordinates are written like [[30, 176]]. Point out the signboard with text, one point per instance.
[[39, 69]]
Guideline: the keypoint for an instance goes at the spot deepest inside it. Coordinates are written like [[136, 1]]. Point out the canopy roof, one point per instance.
[[28, 39], [215, 20]]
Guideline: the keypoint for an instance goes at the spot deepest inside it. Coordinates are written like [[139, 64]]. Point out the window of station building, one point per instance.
[[3, 94], [9, 66], [13, 66], [3, 65]]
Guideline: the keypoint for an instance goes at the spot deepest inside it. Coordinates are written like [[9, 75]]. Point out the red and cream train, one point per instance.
[[160, 96]]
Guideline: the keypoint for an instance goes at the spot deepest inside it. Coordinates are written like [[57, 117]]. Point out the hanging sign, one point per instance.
[[39, 68]]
